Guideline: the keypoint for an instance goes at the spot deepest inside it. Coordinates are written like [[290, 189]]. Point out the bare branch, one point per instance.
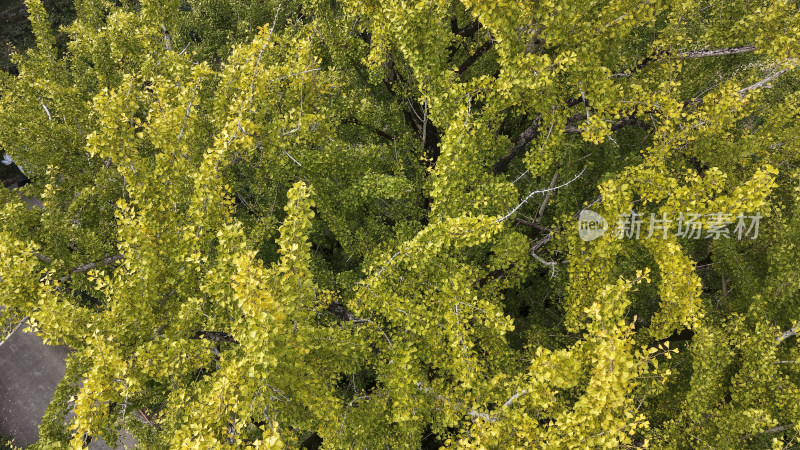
[[82, 268], [541, 191], [188, 112], [762, 83], [524, 139], [695, 54], [45, 109], [788, 333], [494, 417], [777, 429], [630, 121], [717, 52], [146, 419], [538, 219], [214, 336], [92, 265], [572, 129], [341, 312], [469, 29], [551, 264], [43, 258], [474, 57], [292, 158], [167, 38], [103, 262]]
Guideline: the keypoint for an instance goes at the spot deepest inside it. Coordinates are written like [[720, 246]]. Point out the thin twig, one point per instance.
[[546, 200], [542, 191], [45, 110], [493, 418], [762, 83], [788, 333]]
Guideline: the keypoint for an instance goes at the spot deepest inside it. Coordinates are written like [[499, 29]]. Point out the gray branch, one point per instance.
[[717, 52], [494, 417], [763, 83], [541, 191], [788, 333]]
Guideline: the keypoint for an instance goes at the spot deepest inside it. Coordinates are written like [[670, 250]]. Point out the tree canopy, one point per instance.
[[355, 224]]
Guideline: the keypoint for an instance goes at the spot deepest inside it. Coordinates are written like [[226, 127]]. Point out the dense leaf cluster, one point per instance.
[[354, 223]]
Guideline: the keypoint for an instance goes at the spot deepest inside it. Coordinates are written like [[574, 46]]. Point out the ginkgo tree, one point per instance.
[[355, 224]]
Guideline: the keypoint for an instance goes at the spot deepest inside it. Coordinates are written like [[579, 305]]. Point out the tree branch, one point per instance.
[[89, 266], [762, 83], [341, 312], [474, 57], [146, 419], [423, 124], [630, 121], [469, 29], [524, 139], [214, 336], [697, 101], [540, 191], [493, 417], [777, 429], [538, 219], [717, 52], [103, 262], [376, 130], [572, 129], [467, 32], [531, 133], [687, 55], [167, 38], [543, 241], [788, 333], [43, 258], [494, 274]]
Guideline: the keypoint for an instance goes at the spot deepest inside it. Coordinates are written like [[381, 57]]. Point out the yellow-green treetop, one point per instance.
[[355, 224]]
